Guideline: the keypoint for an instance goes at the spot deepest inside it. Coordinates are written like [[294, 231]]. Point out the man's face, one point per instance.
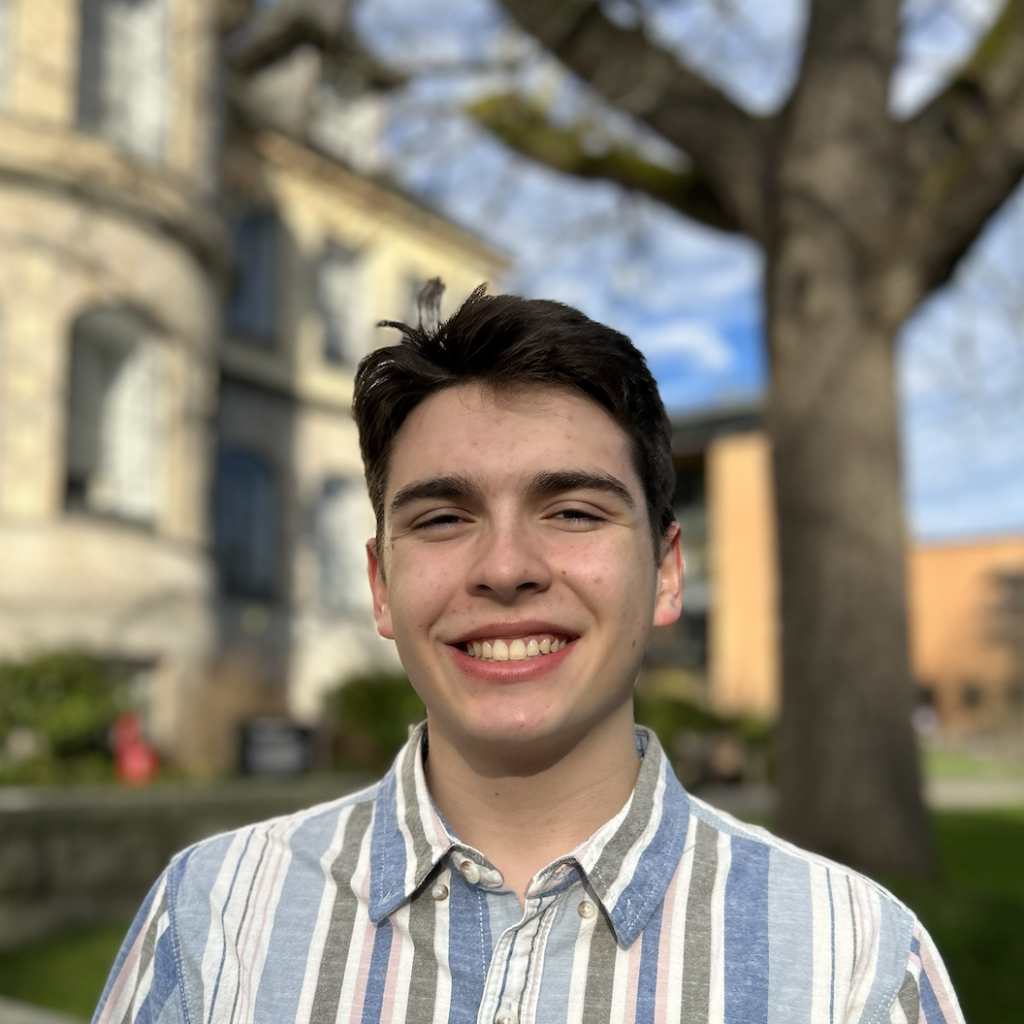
[[520, 584]]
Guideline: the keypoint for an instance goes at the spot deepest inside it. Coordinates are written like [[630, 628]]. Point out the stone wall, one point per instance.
[[72, 858]]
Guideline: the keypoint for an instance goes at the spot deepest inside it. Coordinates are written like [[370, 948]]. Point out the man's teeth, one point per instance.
[[516, 650]]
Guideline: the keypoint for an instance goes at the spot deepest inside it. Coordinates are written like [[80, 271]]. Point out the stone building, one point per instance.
[[181, 310]]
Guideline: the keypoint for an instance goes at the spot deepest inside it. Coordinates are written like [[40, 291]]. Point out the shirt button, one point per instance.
[[506, 1015], [439, 892], [470, 871], [587, 909]]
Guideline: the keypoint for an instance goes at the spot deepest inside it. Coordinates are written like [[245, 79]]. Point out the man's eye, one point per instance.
[[577, 515], [442, 519]]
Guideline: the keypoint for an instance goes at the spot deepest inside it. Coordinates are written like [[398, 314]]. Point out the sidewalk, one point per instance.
[[14, 1012]]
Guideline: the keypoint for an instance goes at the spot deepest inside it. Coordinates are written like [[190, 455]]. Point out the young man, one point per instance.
[[530, 857]]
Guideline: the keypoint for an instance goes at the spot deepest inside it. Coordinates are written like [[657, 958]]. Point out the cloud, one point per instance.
[[697, 343]]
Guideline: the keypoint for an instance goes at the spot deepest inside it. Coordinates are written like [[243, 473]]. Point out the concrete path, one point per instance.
[[14, 1012]]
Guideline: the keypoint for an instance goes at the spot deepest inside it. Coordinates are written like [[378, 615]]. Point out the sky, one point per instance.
[[690, 297]]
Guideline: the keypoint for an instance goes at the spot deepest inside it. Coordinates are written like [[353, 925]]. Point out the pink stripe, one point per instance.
[[664, 952], [632, 980], [937, 978], [387, 1009], [369, 930]]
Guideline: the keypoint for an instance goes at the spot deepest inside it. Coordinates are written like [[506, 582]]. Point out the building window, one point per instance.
[[343, 522], [252, 311], [112, 440], [123, 74], [337, 292], [246, 525]]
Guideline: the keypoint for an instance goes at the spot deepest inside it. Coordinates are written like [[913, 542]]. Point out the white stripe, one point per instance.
[[619, 1011], [716, 993], [580, 961], [821, 945], [400, 963], [410, 847], [677, 938], [213, 953], [845, 963]]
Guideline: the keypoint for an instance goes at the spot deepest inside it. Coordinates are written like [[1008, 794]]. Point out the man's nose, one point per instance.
[[509, 563]]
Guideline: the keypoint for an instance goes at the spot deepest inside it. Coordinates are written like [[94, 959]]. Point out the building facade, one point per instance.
[[181, 311]]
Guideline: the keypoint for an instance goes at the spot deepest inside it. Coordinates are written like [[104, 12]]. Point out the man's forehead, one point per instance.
[[474, 431]]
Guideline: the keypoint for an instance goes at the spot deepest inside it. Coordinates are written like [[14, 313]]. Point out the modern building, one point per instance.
[[966, 598], [181, 310]]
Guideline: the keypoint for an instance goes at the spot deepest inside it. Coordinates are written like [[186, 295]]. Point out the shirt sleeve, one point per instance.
[[143, 983], [927, 996]]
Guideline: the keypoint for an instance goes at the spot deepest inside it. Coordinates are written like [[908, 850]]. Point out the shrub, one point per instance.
[[370, 716], [55, 713]]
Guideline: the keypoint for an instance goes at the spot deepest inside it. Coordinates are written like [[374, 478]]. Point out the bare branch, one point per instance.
[[967, 149], [525, 128], [633, 74]]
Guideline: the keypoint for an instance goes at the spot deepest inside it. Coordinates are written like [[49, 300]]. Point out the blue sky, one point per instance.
[[689, 297]]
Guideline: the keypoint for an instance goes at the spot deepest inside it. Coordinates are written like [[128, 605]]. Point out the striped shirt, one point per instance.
[[369, 909]]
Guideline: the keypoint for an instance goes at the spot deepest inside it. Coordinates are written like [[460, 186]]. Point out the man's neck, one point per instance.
[[522, 812]]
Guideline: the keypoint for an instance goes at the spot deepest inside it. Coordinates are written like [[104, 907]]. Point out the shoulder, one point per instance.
[[302, 835], [829, 931]]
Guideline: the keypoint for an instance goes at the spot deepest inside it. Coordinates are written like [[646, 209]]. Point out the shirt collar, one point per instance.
[[629, 861]]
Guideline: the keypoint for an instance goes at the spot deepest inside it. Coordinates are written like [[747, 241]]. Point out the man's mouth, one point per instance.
[[514, 648]]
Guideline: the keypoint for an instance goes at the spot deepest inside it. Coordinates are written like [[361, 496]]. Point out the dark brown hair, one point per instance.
[[505, 342]]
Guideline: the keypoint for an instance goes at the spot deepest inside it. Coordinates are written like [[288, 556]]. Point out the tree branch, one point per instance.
[[642, 79], [524, 128], [966, 150]]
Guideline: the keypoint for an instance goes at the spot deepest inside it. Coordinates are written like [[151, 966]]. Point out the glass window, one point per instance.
[[252, 311], [112, 437], [337, 286], [246, 524], [343, 522], [123, 73]]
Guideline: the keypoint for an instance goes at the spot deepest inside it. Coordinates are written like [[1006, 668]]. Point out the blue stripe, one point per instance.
[[387, 852], [378, 975], [647, 981], [929, 1003], [656, 866], [746, 933], [165, 981], [469, 949]]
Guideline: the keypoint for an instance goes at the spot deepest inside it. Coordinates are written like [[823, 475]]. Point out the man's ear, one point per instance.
[[379, 589], [668, 601]]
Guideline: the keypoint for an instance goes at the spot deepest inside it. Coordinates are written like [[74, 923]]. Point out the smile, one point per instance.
[[515, 649]]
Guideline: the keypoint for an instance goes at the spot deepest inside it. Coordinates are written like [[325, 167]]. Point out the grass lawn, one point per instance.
[[975, 912], [65, 973]]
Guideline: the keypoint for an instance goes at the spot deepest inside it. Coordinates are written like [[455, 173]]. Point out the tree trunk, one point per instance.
[[849, 779]]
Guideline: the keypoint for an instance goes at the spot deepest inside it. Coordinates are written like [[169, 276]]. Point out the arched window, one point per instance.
[[123, 73], [112, 437], [343, 522], [246, 524], [337, 284]]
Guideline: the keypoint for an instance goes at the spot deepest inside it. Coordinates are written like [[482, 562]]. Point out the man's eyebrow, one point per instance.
[[448, 488], [578, 480]]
